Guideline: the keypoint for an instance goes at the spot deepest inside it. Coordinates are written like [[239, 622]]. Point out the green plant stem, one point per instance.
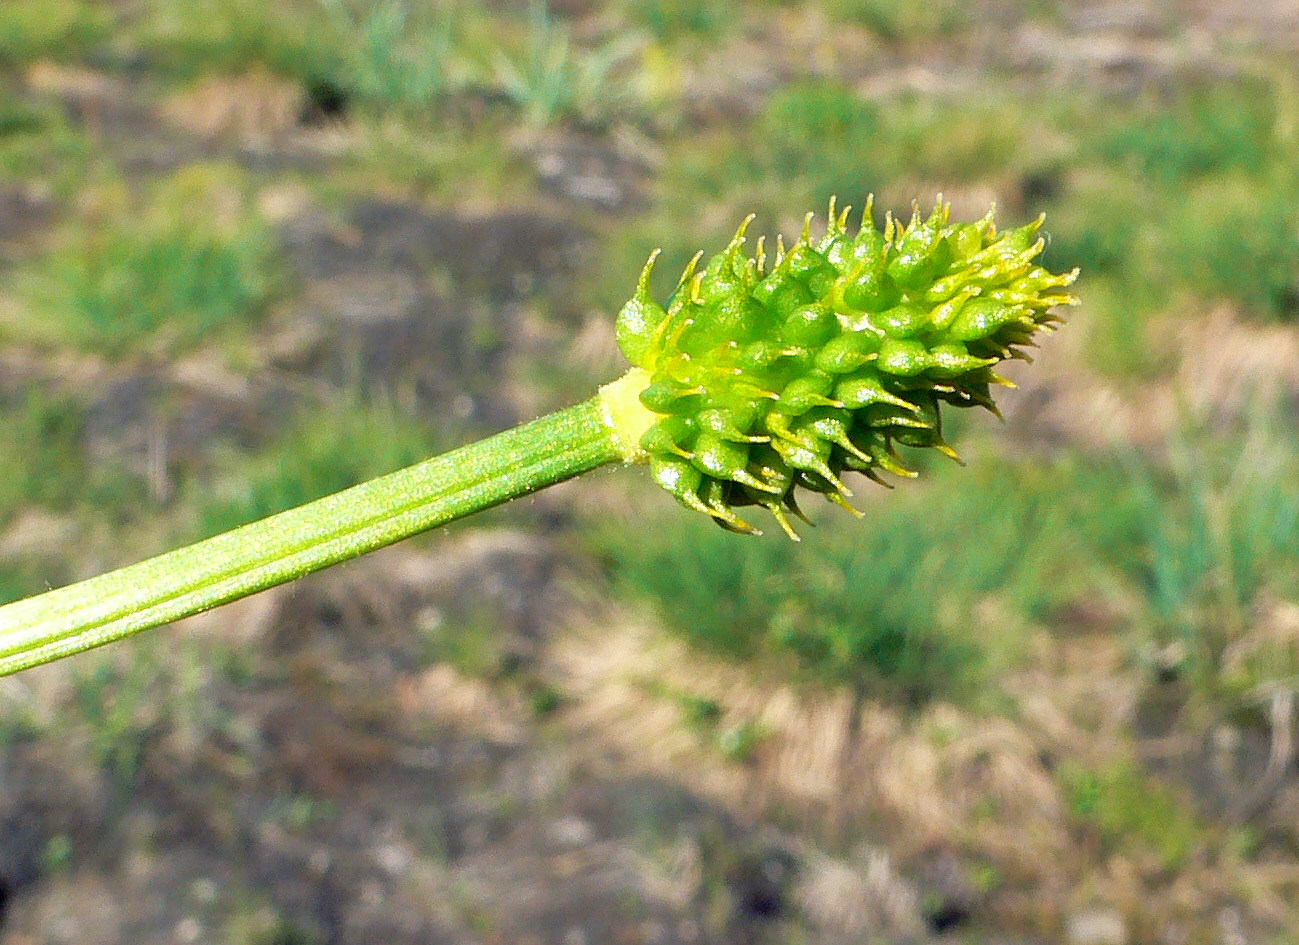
[[338, 527]]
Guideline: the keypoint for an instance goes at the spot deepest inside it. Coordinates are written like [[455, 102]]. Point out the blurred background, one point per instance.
[[252, 252]]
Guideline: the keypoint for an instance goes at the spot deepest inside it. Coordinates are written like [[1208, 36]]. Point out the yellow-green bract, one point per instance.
[[765, 379]]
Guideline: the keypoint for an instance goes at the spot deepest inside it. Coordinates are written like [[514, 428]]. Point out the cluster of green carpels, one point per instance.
[[770, 378]]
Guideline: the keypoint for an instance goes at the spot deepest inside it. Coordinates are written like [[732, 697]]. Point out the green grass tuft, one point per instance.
[[148, 279], [1204, 130], [394, 55], [40, 146], [1239, 240], [890, 603], [1217, 538], [1129, 812], [193, 37], [43, 465], [905, 20], [41, 462], [932, 592], [51, 29], [552, 80], [670, 20]]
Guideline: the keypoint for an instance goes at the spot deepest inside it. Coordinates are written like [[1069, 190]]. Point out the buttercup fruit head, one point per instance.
[[767, 378]]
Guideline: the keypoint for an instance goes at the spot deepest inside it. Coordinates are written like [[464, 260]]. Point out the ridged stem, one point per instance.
[[316, 535]]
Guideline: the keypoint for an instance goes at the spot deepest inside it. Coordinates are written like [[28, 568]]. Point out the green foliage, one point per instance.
[[668, 20], [1171, 203], [40, 146], [18, 119], [195, 36], [1100, 223], [41, 460], [302, 812], [822, 128], [43, 465], [395, 54], [818, 137], [469, 640], [740, 742], [906, 20], [468, 163], [741, 599], [400, 59], [1218, 534], [1191, 195], [1124, 294], [120, 709], [1205, 130], [58, 29], [20, 716], [958, 141], [1239, 239], [256, 920], [15, 583], [901, 602], [890, 604], [56, 858], [545, 699], [1175, 194], [1130, 812], [1188, 201], [146, 278], [698, 711], [550, 80], [736, 742]]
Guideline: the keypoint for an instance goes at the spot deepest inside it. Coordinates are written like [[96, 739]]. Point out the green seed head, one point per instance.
[[766, 378]]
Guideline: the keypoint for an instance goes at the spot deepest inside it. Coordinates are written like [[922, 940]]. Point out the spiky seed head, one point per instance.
[[766, 380]]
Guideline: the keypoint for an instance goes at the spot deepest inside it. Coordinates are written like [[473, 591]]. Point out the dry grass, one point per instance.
[[1221, 365]]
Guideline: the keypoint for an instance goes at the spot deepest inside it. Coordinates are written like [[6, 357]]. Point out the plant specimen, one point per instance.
[[762, 376]]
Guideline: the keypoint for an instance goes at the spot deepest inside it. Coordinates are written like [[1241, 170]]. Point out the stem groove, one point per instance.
[[308, 538]]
